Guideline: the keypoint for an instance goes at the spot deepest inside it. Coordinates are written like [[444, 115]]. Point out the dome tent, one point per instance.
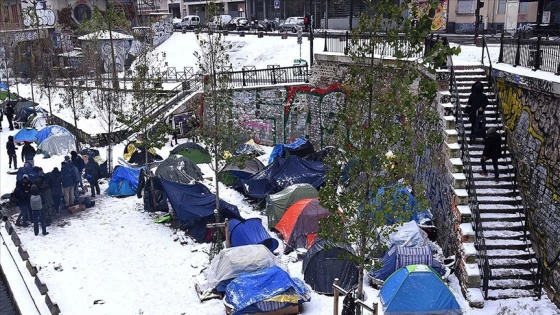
[[193, 151], [124, 182], [26, 134], [250, 231], [278, 203], [49, 131], [57, 144], [179, 169]]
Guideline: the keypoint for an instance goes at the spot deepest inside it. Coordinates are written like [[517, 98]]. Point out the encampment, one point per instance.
[[192, 151], [276, 204], [135, 153], [300, 147], [417, 289], [57, 144], [250, 231], [179, 169], [49, 131], [300, 223], [231, 174], [253, 292], [194, 206], [26, 134], [124, 182], [322, 264]]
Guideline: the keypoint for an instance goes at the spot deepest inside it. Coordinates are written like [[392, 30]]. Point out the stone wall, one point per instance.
[[531, 118]]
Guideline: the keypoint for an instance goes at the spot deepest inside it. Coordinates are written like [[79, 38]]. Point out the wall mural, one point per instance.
[[439, 21], [161, 30], [121, 49]]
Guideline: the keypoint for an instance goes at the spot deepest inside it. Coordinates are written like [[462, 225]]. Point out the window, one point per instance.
[[82, 12], [501, 7], [465, 6], [523, 7]]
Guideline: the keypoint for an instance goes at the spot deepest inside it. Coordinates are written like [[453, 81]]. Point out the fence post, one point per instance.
[[517, 53], [346, 48], [325, 48], [537, 59], [243, 75], [501, 56], [483, 45], [335, 298]]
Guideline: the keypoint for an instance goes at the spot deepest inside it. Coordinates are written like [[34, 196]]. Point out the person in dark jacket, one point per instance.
[[28, 153], [80, 165], [54, 179], [492, 151], [477, 103], [10, 114], [92, 175], [21, 202], [69, 181], [11, 148], [46, 196], [36, 205]]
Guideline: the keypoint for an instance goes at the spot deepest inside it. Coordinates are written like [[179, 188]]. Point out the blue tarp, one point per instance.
[[283, 173], [49, 131], [301, 147], [124, 182], [194, 206], [26, 134], [250, 232], [3, 86], [29, 171], [257, 286], [417, 289]]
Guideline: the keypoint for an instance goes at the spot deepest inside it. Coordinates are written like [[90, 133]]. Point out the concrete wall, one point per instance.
[[531, 117]]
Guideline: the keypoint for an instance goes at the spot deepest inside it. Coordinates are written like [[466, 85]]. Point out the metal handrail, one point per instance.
[[536, 266], [480, 242]]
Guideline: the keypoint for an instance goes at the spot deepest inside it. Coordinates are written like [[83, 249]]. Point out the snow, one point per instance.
[[113, 259]]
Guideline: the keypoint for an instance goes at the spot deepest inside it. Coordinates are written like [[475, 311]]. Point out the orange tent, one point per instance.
[[300, 223]]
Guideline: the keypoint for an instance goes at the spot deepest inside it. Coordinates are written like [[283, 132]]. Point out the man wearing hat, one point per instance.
[[492, 150], [28, 153]]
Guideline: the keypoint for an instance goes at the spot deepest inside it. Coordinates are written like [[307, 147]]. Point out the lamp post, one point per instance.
[[240, 11]]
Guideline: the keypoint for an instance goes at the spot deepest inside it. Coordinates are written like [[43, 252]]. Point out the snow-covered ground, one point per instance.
[[113, 259]]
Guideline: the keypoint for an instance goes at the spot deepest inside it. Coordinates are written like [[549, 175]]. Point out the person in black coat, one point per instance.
[[477, 103], [54, 180], [11, 149], [28, 153], [492, 151], [92, 175], [22, 202], [10, 114]]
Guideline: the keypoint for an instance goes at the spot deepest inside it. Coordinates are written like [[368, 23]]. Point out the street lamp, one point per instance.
[[240, 11]]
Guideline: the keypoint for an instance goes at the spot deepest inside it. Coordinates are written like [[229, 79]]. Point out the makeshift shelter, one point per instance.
[[49, 131], [231, 174], [276, 204], [124, 182], [57, 144], [250, 231], [155, 198], [301, 147], [26, 134], [231, 262], [283, 173], [260, 291], [249, 147], [417, 289], [24, 113], [300, 223], [322, 265], [193, 151], [321, 155], [38, 121], [400, 256], [179, 169], [134, 153], [194, 206]]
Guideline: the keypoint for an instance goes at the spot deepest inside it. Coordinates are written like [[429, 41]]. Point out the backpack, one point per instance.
[[480, 126], [35, 202]]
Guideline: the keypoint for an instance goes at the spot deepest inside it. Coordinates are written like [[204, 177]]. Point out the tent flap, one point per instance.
[[250, 232]]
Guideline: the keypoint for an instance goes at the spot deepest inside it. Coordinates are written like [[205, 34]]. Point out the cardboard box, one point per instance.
[[76, 208]]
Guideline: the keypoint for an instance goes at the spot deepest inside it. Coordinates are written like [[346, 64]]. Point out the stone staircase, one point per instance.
[[511, 258]]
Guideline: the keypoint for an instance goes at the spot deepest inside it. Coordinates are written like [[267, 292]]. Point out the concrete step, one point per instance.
[[510, 254], [512, 263], [502, 217], [509, 273], [511, 284], [498, 200], [503, 226], [495, 234], [500, 294], [498, 208], [494, 192], [505, 244]]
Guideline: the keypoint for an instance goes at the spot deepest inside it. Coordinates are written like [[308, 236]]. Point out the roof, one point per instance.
[[105, 35]]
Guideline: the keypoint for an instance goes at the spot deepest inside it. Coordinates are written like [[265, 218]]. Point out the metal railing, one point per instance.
[[273, 74], [342, 43], [479, 241], [520, 208], [360, 305], [537, 54]]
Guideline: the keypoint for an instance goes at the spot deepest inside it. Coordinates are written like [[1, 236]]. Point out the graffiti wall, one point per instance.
[[439, 21], [161, 30], [531, 117]]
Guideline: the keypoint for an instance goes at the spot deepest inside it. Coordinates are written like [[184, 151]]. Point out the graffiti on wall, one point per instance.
[[161, 30], [439, 21], [121, 49]]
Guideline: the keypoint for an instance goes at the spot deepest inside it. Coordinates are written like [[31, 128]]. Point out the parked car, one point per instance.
[[219, 22], [291, 24], [239, 24], [190, 22], [177, 23]]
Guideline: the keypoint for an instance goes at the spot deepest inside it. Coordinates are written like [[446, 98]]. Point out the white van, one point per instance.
[[190, 22], [219, 22]]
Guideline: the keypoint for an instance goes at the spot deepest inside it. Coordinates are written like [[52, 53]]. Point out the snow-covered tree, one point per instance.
[[388, 98]]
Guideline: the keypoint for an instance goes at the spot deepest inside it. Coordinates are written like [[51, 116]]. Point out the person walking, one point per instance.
[[28, 153], [69, 181], [10, 114], [46, 197], [92, 173], [36, 205], [492, 151], [476, 105], [11, 149], [54, 179], [21, 201]]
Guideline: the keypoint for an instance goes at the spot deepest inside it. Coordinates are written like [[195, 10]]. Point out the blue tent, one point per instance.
[[417, 289], [244, 293], [49, 131], [301, 147], [26, 134], [124, 182], [283, 173], [249, 232], [194, 206]]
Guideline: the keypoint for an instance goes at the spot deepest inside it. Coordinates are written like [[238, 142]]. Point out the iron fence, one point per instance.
[[346, 42], [536, 54], [273, 74]]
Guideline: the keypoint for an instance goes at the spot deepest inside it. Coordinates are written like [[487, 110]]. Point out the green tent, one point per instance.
[[4, 95], [193, 152], [276, 204]]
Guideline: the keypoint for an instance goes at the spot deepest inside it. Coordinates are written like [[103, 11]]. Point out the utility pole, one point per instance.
[[311, 22]]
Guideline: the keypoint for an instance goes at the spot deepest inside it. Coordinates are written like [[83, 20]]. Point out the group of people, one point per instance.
[[38, 194], [9, 112]]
